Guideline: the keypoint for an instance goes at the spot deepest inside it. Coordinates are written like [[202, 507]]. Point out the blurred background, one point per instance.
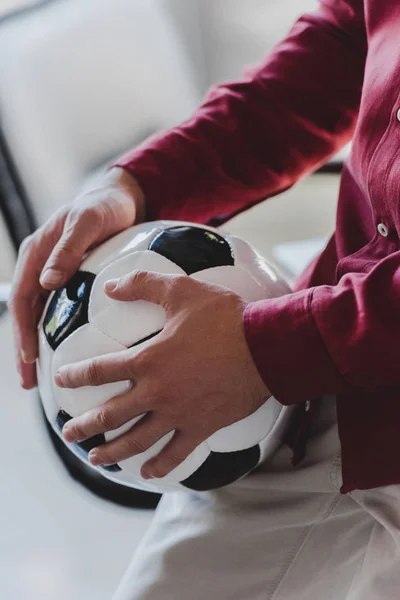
[[82, 81]]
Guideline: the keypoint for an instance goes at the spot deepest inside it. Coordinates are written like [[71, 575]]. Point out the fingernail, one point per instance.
[[146, 474], [111, 285], [67, 438], [70, 438], [58, 378], [94, 459], [27, 357], [95, 462], [52, 277]]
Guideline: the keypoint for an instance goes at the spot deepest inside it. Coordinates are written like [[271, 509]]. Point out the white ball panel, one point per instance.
[[114, 433], [135, 238], [86, 342], [247, 432], [274, 438], [166, 224], [235, 279], [129, 322], [45, 378], [134, 464], [184, 470], [138, 237], [271, 281]]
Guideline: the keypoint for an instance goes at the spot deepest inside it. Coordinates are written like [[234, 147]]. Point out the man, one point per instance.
[[325, 524]]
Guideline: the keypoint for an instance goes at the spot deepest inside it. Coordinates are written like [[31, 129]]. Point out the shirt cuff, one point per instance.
[[288, 350]]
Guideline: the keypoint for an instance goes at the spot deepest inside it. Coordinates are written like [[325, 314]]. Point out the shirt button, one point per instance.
[[398, 115], [383, 230]]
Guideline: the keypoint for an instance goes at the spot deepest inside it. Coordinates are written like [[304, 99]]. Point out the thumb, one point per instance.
[[79, 234], [141, 285]]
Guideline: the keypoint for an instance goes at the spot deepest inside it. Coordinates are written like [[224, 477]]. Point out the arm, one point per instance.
[[332, 339], [252, 139]]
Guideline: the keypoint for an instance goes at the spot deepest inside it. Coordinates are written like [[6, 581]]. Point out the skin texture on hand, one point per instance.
[[194, 377], [49, 257]]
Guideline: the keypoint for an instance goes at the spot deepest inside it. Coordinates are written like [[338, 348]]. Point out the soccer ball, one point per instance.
[[80, 322]]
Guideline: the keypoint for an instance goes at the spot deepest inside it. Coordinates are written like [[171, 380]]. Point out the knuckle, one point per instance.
[[127, 369], [105, 420], [141, 362], [65, 247], [26, 246], [75, 214], [134, 446], [172, 460], [93, 373], [154, 394], [179, 286], [90, 215], [137, 278]]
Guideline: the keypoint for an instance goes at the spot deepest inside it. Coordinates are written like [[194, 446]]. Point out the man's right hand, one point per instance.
[[48, 258]]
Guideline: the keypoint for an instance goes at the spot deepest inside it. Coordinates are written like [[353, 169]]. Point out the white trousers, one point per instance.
[[281, 533]]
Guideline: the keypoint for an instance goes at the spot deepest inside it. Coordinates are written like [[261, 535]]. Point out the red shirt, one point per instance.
[[335, 77]]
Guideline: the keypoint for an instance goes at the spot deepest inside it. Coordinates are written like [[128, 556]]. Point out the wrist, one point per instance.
[[125, 181]]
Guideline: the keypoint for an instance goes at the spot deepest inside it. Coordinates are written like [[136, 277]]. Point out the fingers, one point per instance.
[[27, 296], [174, 453], [24, 326], [96, 216], [143, 285], [111, 415], [50, 257], [142, 436], [97, 371], [82, 229], [28, 375]]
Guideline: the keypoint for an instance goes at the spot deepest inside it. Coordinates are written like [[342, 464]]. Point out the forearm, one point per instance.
[[252, 139]]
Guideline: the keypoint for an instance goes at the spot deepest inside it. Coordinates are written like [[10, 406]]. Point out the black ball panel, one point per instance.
[[223, 468], [146, 339], [83, 448], [218, 470], [193, 249], [68, 309]]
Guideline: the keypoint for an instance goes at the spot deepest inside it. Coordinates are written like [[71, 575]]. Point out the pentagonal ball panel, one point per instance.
[[86, 342], [129, 322]]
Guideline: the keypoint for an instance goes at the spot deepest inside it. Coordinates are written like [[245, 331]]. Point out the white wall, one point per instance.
[[241, 32], [10, 5], [7, 254], [223, 35]]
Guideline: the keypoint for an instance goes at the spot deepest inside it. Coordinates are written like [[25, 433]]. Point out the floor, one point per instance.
[[57, 540]]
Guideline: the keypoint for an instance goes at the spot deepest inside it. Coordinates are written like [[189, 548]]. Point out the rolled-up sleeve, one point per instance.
[[330, 339], [254, 138]]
